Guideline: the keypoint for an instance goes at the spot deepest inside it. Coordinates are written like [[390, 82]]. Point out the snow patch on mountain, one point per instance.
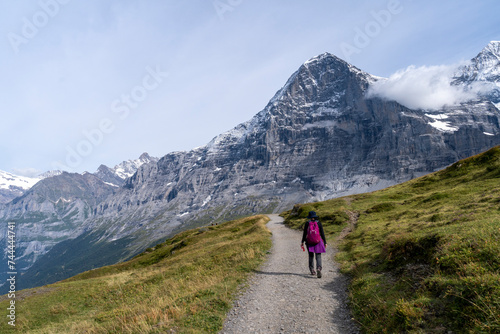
[[208, 199], [319, 124], [233, 135], [441, 125], [239, 133], [12, 185], [128, 168], [117, 175], [8, 181], [110, 184]]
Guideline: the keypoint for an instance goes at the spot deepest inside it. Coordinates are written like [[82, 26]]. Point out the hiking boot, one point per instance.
[[313, 272], [319, 272]]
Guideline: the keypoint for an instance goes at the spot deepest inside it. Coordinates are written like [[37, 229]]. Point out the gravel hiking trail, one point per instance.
[[283, 297]]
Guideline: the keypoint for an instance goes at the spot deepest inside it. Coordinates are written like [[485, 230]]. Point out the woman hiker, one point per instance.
[[315, 240]]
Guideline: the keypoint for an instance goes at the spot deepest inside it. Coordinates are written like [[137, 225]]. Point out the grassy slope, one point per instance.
[[424, 256], [186, 283]]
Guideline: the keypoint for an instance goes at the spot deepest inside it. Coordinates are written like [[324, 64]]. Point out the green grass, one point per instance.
[[334, 215], [186, 283], [424, 256]]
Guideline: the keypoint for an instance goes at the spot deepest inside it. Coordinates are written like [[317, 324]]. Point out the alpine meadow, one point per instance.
[[423, 256]]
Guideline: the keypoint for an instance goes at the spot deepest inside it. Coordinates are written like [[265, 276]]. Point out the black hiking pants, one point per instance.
[[318, 261]]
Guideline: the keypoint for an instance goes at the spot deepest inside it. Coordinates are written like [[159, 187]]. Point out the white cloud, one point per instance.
[[425, 87], [28, 172]]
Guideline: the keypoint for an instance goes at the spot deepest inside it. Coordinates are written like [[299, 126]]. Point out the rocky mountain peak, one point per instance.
[[492, 50], [485, 67], [145, 157], [322, 81], [102, 168], [320, 89], [50, 173], [330, 61], [322, 57], [127, 168], [118, 174], [487, 62]]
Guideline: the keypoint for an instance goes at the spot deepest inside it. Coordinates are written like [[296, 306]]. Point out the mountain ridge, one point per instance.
[[12, 186]]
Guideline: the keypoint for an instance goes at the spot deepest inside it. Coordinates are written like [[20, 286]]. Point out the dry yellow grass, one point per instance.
[[186, 283]]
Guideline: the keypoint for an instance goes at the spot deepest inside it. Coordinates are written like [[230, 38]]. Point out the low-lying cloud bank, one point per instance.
[[427, 87]]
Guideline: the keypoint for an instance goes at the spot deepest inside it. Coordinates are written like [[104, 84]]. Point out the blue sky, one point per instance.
[[91, 82]]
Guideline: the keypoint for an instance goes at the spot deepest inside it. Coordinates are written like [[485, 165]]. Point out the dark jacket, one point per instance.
[[321, 232]]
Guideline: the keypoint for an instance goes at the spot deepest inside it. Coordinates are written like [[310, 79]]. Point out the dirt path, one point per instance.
[[284, 298]]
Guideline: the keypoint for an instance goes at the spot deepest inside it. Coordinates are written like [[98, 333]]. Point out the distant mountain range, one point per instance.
[[12, 186], [50, 208], [321, 136]]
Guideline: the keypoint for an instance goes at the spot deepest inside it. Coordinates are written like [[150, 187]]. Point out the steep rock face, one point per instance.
[[319, 137], [108, 175], [8, 194]]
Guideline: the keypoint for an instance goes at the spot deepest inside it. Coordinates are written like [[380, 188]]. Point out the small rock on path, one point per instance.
[[284, 298]]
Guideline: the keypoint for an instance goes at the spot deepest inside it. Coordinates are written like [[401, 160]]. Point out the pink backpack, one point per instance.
[[313, 237]]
